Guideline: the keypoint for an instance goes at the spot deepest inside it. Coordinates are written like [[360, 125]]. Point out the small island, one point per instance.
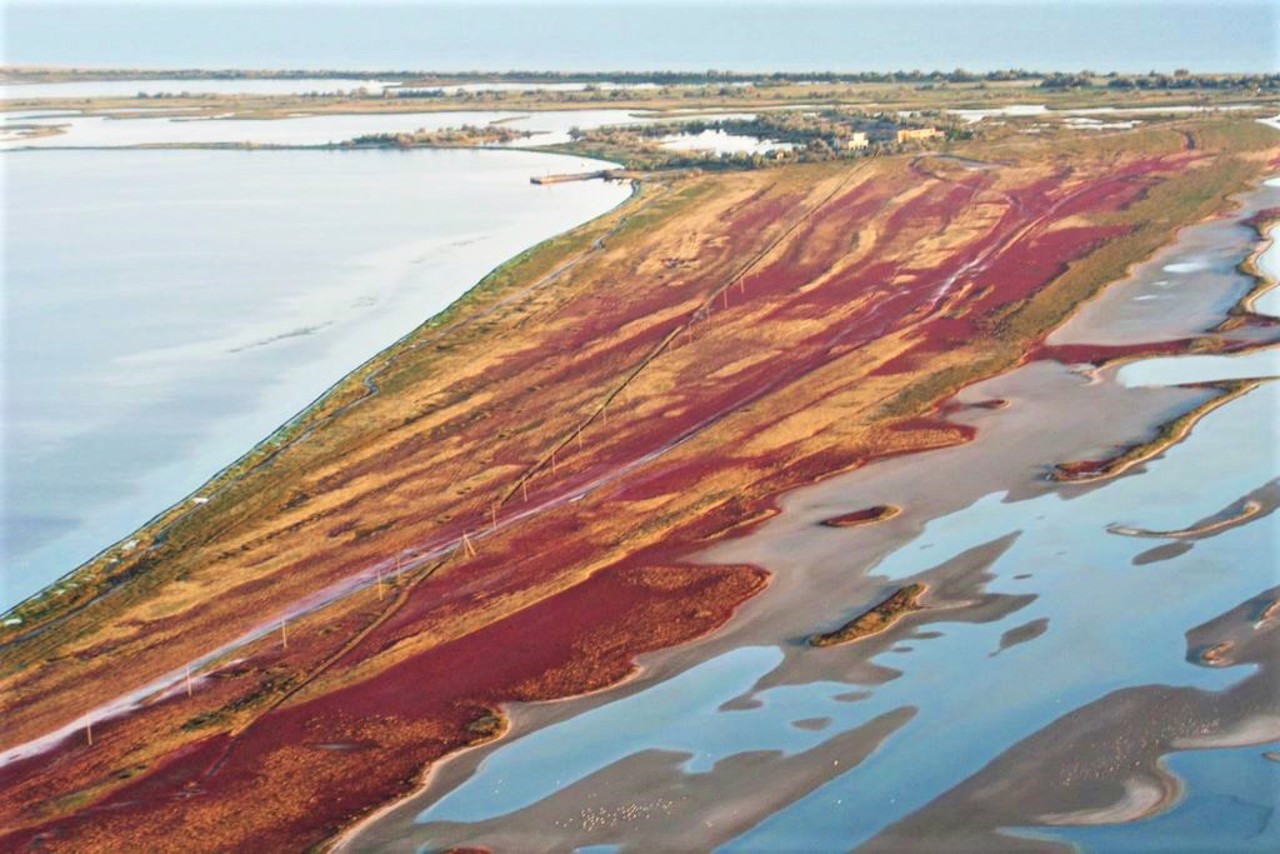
[[459, 137], [867, 516], [876, 620]]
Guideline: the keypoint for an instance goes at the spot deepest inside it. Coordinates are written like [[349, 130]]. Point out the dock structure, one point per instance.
[[605, 174]]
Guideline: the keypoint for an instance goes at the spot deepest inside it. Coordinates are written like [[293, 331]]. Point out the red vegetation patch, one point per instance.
[[406, 717]]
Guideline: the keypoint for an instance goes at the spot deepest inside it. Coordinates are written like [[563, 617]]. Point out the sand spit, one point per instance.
[[635, 796], [863, 517], [1141, 798], [1102, 763], [1264, 224], [1187, 289], [1262, 501], [1165, 436], [877, 619]]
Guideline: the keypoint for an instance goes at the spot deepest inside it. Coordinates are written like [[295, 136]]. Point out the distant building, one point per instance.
[[914, 134], [857, 140]]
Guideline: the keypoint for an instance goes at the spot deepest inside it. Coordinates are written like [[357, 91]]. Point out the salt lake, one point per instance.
[[165, 310]]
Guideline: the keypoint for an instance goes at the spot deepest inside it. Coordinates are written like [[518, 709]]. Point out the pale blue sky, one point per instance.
[[783, 35]]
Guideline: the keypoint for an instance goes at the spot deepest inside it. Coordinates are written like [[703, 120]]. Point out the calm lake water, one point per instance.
[[165, 310], [131, 88]]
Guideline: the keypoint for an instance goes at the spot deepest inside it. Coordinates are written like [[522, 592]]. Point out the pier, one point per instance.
[[606, 174]]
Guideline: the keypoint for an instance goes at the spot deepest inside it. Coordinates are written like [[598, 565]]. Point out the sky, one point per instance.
[[800, 35]]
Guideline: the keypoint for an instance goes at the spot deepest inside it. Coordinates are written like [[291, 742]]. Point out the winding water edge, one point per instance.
[[1044, 624]]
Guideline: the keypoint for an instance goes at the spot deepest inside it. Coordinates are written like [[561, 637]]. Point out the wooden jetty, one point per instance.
[[606, 174]]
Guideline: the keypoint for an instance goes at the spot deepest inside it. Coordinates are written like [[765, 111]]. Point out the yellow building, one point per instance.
[[857, 140], [913, 134]]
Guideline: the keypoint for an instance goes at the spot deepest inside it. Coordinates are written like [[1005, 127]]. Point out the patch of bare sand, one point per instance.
[[1102, 763]]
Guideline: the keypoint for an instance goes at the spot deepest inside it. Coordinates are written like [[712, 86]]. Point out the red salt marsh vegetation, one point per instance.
[[501, 507]]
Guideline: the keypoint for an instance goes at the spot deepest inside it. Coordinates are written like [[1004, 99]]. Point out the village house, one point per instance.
[[858, 139], [914, 134]]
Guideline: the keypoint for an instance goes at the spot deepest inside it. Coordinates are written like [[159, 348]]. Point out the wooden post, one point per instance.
[[88, 731], [284, 633], [379, 572], [524, 490], [188, 680]]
